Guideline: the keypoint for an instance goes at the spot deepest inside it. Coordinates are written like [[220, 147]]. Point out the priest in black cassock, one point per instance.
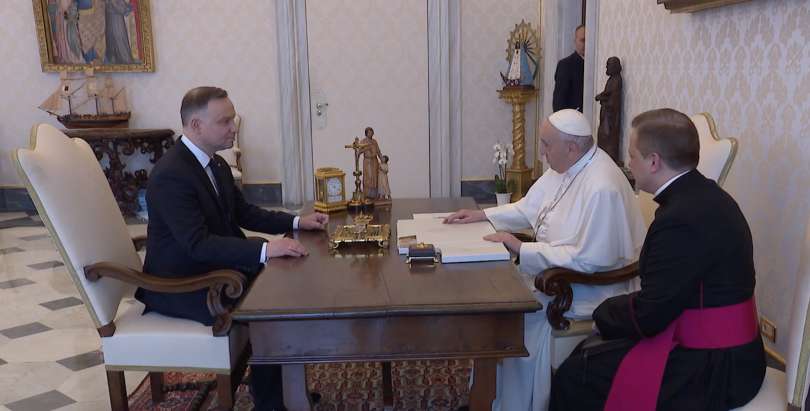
[[569, 77], [688, 340]]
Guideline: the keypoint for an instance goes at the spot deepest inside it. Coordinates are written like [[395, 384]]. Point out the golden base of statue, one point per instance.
[[519, 173], [360, 205], [521, 180]]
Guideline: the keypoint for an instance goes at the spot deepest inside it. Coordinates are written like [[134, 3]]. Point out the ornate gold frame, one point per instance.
[[46, 51], [691, 6]]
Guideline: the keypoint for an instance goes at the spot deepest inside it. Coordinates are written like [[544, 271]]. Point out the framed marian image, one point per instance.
[[107, 35]]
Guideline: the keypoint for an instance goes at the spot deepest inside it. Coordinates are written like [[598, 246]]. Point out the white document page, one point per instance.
[[458, 242]]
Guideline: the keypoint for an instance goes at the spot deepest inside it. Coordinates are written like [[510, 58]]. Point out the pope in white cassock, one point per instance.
[[585, 217]]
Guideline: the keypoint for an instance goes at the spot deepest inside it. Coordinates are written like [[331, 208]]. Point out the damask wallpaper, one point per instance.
[[216, 42], [749, 66]]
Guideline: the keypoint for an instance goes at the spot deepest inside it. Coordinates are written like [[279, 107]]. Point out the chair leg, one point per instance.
[[118, 391], [156, 384], [387, 386], [225, 391]]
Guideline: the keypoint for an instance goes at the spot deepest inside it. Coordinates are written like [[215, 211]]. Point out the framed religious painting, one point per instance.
[[107, 35]]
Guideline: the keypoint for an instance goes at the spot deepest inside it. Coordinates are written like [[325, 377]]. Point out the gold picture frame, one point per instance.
[[691, 6], [75, 34]]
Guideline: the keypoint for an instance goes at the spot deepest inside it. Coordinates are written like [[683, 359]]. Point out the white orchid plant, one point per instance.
[[503, 153]]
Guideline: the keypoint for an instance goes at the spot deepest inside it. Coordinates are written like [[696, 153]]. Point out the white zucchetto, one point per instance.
[[570, 122]]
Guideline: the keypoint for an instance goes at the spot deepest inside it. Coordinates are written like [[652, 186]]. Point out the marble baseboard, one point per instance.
[[268, 194], [483, 191], [15, 199]]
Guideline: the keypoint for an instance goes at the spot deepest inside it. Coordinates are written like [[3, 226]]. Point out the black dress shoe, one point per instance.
[[315, 397]]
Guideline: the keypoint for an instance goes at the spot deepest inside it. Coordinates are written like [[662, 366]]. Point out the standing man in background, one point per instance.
[[570, 76]]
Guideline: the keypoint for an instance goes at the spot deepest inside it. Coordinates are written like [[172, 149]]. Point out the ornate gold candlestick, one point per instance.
[[519, 173], [358, 198]]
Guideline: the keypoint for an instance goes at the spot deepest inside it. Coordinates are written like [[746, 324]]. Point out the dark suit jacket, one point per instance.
[[569, 81], [699, 235], [193, 230]]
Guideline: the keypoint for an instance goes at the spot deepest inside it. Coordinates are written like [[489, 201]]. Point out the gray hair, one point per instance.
[[584, 143]]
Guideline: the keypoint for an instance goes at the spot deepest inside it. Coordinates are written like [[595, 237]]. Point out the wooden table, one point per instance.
[[117, 143], [366, 304]]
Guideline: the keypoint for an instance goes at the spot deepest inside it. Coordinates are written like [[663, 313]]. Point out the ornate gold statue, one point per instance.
[[383, 188], [520, 51], [371, 164], [358, 200]]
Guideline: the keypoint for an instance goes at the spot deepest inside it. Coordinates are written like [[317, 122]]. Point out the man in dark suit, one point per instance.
[[688, 340], [195, 217], [570, 76]]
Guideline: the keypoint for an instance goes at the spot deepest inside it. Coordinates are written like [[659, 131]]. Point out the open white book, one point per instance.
[[459, 243]]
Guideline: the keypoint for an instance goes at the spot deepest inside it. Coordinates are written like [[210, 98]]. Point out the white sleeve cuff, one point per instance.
[[295, 222], [263, 255], [531, 258]]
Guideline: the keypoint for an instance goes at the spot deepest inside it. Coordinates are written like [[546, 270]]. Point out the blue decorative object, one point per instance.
[[520, 68], [142, 210], [521, 56]]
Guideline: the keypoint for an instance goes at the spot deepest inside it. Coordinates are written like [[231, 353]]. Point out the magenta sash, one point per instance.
[[637, 382]]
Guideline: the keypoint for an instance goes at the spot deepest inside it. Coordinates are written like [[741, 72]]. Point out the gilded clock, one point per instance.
[[330, 189]]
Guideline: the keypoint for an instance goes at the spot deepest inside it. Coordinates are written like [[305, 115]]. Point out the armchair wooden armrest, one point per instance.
[[556, 282], [228, 282], [139, 241]]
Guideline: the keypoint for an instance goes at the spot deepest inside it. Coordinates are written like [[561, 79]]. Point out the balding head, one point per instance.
[[579, 40]]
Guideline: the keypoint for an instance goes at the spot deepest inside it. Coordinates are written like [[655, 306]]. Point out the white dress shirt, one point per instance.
[[670, 181], [205, 162]]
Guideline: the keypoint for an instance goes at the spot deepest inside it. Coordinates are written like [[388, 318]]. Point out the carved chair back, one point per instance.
[[74, 200], [716, 154], [232, 155], [788, 390], [798, 353]]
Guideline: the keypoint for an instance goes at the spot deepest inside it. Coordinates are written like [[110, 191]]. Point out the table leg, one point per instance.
[[295, 388], [484, 379]]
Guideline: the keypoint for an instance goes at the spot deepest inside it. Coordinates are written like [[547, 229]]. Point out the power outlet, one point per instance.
[[767, 329]]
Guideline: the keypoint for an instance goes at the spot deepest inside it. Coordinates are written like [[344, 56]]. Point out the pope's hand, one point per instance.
[[285, 247], [511, 242], [314, 221], [465, 216]]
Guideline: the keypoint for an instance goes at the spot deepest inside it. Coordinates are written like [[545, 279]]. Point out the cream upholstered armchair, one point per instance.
[[716, 156], [788, 390], [76, 204], [233, 155]]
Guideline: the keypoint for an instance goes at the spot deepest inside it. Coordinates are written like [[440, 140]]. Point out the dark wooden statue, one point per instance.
[[610, 115]]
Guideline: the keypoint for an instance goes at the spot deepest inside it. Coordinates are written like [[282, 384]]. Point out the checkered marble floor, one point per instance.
[[50, 356], [49, 349]]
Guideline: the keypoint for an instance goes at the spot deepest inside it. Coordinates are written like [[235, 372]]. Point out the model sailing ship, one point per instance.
[[81, 103]]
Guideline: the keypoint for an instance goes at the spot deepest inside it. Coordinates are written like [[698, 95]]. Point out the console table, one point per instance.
[[117, 143]]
